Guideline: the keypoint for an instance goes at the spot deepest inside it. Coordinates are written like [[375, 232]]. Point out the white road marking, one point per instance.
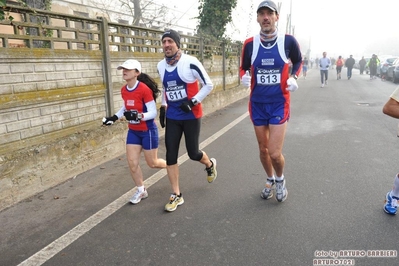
[[68, 238]]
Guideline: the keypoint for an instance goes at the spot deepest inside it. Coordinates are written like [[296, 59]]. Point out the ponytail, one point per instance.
[[150, 82]]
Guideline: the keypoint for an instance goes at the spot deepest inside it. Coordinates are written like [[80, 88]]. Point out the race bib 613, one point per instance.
[[268, 76]]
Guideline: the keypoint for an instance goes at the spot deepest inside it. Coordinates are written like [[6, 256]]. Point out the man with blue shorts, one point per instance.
[[270, 65]]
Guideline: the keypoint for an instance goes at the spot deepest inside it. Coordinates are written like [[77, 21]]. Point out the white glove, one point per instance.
[[292, 85], [246, 79]]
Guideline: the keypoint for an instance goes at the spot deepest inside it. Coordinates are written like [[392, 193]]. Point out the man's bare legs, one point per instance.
[[270, 141], [173, 172]]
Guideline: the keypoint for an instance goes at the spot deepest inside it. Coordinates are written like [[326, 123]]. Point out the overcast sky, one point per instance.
[[339, 27]]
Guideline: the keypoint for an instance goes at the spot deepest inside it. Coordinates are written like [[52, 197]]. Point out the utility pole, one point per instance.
[[278, 9], [250, 19], [290, 16], [287, 28]]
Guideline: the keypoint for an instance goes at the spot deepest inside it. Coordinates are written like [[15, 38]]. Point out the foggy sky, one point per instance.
[[339, 27]]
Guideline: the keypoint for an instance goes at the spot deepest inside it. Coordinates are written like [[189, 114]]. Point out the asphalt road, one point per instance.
[[341, 157]]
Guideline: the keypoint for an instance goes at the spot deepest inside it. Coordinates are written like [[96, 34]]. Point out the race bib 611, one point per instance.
[[176, 93]]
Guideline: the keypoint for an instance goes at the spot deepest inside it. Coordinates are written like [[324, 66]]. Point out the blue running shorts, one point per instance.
[[147, 139], [264, 114]]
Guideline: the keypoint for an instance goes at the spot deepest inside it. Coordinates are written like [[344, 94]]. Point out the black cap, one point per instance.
[[269, 4], [174, 35]]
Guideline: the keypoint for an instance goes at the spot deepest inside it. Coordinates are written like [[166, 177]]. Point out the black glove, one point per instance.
[[162, 116], [107, 121], [132, 115], [186, 106]]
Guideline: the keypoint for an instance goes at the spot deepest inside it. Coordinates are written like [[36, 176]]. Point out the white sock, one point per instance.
[[395, 189], [140, 189], [279, 178], [270, 178]]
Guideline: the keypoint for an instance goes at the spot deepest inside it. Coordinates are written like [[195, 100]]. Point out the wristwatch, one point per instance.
[[294, 76]]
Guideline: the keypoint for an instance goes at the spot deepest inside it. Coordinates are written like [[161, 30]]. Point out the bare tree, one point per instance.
[[146, 13], [104, 5]]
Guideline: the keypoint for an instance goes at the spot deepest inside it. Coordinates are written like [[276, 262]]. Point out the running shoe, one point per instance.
[[211, 171], [174, 201], [322, 85], [281, 191], [138, 196], [391, 204], [267, 192]]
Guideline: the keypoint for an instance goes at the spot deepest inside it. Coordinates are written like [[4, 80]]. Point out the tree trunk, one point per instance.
[[137, 12]]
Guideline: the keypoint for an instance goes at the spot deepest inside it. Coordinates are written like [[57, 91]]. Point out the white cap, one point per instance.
[[130, 64]]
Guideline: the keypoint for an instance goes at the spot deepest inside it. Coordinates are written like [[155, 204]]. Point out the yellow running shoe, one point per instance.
[[174, 201], [211, 171]]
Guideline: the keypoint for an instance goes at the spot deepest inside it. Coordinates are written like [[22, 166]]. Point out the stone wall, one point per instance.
[[51, 105]]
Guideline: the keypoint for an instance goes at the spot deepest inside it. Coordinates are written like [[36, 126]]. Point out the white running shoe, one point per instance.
[[138, 196], [267, 192], [281, 191]]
